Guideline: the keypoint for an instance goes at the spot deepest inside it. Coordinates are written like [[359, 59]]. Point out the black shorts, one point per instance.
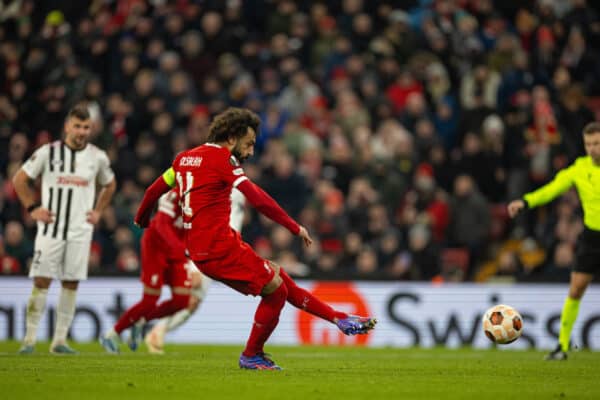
[[588, 252]]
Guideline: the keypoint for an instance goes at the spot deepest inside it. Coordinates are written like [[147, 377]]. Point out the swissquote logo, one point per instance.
[[341, 296]]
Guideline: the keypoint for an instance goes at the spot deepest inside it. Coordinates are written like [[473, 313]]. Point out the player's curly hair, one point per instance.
[[232, 123]]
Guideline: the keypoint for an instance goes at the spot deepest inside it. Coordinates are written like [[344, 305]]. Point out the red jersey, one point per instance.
[[167, 226], [205, 176], [168, 216]]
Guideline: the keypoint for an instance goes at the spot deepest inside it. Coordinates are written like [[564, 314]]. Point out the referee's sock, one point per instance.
[[567, 320]]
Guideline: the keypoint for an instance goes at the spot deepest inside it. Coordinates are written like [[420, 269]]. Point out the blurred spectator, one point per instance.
[[469, 220], [559, 268], [424, 252], [16, 245]]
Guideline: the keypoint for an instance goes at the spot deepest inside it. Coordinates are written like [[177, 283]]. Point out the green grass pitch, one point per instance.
[[211, 372]]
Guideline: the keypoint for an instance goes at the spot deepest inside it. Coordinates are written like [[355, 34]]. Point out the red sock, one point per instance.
[[169, 307], [305, 300], [265, 320], [134, 313]]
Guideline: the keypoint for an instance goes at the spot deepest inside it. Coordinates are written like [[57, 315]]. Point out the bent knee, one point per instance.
[[272, 285]]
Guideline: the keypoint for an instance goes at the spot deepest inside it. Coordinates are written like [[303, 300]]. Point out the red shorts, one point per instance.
[[241, 269], [160, 266]]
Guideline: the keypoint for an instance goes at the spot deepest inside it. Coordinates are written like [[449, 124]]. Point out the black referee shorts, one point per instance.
[[588, 252]]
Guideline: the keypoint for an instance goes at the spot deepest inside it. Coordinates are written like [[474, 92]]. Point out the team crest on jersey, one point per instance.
[[233, 161]]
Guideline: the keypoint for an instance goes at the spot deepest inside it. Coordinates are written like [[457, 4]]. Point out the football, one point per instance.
[[502, 324]]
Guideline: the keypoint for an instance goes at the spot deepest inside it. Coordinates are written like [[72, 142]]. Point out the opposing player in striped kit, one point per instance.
[[70, 169]]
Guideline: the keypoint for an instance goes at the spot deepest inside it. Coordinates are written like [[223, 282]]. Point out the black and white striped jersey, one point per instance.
[[69, 180]]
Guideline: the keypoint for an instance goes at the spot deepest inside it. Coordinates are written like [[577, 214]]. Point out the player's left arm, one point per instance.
[[267, 206], [160, 186], [104, 197], [106, 179], [233, 174]]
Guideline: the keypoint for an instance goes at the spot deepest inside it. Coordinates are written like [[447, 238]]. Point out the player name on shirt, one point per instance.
[[190, 161]]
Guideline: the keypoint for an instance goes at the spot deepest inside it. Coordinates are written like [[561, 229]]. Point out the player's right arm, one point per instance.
[[32, 168], [560, 184], [233, 174], [160, 186]]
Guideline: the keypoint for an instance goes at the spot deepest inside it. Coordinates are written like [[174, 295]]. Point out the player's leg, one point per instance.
[[155, 338], [578, 285], [44, 267], [74, 269], [65, 312], [178, 277], [586, 265], [35, 308], [134, 315], [180, 298], [244, 271], [304, 300], [152, 277], [266, 318]]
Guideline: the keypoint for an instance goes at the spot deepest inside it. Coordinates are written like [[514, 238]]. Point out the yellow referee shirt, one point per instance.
[[585, 175]]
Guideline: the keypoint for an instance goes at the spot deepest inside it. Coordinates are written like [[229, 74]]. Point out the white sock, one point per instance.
[[176, 319], [35, 308], [64, 315]]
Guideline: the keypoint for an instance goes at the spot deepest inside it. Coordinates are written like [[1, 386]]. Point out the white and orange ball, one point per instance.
[[502, 324]]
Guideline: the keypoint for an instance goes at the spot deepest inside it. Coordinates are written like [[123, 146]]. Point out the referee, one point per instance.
[[584, 173]]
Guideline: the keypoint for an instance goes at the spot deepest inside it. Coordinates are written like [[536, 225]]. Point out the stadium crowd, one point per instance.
[[396, 135]]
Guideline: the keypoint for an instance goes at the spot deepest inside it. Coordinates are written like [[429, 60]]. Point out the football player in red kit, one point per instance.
[[205, 176], [163, 262]]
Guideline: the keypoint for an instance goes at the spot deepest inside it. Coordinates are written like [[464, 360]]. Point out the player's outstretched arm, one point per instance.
[[305, 236], [269, 207], [159, 187]]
